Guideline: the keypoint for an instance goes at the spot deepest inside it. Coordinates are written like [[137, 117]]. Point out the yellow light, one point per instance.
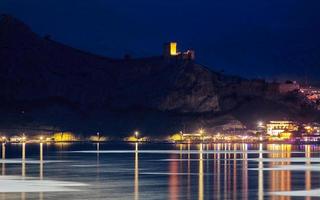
[[176, 137], [285, 135], [173, 48], [132, 139], [64, 137]]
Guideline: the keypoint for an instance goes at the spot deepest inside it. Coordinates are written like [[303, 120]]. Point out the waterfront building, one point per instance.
[[274, 128], [64, 137], [192, 136], [136, 139], [15, 139], [310, 138]]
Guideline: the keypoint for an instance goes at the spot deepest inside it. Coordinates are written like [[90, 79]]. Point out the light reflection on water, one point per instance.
[[136, 172], [308, 172], [280, 180], [177, 173]]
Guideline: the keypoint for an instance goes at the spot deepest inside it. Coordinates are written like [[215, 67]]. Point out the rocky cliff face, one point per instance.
[[37, 71], [194, 90]]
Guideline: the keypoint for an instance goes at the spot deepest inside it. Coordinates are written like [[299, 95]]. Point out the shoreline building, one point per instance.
[[192, 136], [170, 50], [276, 128]]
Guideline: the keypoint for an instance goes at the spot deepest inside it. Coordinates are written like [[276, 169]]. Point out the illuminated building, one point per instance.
[[64, 137], [135, 139], [311, 133], [178, 137], [190, 137], [131, 139], [186, 137], [311, 129], [274, 128], [285, 135], [310, 138], [96, 138], [173, 49], [170, 50], [15, 139]]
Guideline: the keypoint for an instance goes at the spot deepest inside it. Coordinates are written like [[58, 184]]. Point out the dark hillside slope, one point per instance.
[[50, 83], [34, 68]]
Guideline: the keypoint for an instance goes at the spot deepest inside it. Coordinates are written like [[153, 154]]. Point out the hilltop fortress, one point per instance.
[[170, 50]]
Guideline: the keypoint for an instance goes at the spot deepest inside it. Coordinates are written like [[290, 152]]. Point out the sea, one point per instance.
[[116, 170]]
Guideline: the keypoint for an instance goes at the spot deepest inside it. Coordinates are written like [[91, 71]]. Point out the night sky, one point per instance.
[[253, 38]]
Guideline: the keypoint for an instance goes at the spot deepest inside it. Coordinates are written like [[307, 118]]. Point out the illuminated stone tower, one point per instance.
[[170, 50]]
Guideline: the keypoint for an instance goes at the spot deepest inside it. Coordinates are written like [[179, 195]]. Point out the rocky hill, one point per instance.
[[77, 90]]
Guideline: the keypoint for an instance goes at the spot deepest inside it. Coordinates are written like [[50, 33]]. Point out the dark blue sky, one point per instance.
[[253, 38]]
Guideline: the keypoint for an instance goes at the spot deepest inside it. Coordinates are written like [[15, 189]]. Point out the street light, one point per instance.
[[260, 130], [4, 139], [136, 134], [98, 135], [23, 139], [201, 131]]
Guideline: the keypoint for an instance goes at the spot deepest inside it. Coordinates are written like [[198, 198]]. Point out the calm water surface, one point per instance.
[[159, 171]]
